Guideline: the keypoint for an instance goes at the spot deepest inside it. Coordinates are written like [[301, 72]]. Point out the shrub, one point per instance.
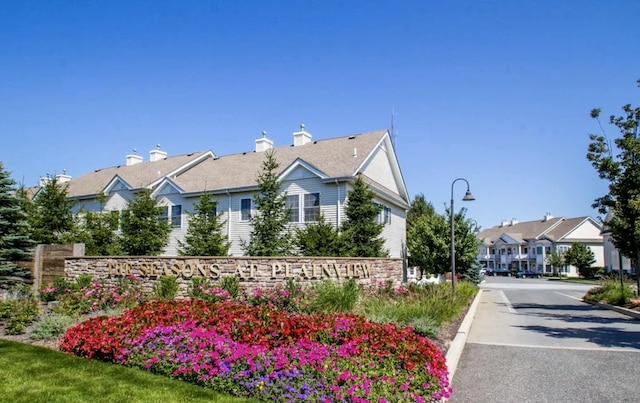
[[51, 327], [166, 288], [610, 292], [334, 297], [201, 288], [20, 310], [231, 284]]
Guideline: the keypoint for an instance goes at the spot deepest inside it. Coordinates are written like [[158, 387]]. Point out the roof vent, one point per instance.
[[134, 158], [263, 144], [302, 137], [157, 154]]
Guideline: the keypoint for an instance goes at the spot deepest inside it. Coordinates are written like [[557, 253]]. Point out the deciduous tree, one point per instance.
[[580, 256], [556, 260], [621, 168]]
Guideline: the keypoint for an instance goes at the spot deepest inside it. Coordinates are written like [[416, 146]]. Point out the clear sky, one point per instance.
[[497, 92]]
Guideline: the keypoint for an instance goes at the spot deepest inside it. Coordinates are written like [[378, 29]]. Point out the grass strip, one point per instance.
[[35, 374]]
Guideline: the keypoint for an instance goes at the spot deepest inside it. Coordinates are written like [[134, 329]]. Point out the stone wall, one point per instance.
[[263, 272]]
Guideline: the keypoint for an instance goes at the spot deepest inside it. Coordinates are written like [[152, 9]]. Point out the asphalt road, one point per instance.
[[533, 340]]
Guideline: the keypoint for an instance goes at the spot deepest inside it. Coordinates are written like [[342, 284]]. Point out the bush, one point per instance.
[[51, 327], [166, 288], [610, 292], [231, 284], [201, 288], [334, 297], [20, 310]]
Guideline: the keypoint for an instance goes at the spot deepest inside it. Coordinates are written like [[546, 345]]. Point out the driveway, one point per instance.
[[533, 340]]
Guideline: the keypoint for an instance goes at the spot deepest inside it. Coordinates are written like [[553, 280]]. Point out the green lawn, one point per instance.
[[36, 374]]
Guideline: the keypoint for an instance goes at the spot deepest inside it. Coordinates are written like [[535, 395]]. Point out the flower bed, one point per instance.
[[268, 354]]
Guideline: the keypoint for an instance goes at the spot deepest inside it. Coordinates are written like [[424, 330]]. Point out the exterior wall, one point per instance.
[[263, 272], [612, 258], [378, 169]]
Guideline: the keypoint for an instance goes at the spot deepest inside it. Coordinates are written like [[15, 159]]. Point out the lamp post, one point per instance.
[[467, 197]]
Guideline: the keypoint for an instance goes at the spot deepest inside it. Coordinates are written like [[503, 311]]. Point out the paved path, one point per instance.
[[534, 341]]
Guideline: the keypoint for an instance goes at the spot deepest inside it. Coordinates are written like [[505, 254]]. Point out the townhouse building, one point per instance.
[[514, 246], [316, 176]]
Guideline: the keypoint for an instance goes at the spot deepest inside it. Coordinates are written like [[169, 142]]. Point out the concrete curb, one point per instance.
[[457, 345], [625, 311]]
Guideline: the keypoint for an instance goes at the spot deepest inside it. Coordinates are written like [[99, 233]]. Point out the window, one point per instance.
[[164, 216], [176, 216], [493, 251], [539, 250], [384, 217], [173, 214], [525, 250], [547, 250], [245, 209], [311, 207], [293, 205]]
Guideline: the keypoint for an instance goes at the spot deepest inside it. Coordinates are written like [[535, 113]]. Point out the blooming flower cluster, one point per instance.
[[268, 354]]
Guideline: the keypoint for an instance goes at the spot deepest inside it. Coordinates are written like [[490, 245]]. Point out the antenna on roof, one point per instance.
[[393, 131]]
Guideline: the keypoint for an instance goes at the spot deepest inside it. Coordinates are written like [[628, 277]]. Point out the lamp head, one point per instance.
[[468, 196]]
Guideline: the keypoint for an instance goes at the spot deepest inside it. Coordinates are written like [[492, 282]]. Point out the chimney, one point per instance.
[[302, 137], [134, 158], [44, 180], [63, 177], [504, 223], [263, 144], [157, 154], [547, 216], [513, 221]]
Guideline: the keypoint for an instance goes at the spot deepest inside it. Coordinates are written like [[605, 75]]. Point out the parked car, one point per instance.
[[528, 273], [498, 272]]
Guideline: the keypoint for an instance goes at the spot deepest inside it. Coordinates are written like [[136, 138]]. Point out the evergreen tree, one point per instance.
[[50, 216], [580, 256], [473, 274], [318, 239], [143, 231], [360, 232], [97, 230], [15, 243], [270, 234], [204, 236]]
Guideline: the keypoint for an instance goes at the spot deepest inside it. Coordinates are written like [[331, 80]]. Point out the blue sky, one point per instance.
[[497, 92]]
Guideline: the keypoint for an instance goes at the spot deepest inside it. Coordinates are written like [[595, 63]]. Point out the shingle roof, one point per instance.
[[521, 230], [137, 176], [334, 157], [564, 227]]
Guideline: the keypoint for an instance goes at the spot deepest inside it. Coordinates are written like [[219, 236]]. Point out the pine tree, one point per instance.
[[360, 232], [15, 242], [318, 239], [270, 234], [204, 236], [50, 216], [143, 232]]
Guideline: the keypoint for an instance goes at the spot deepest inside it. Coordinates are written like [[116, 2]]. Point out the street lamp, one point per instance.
[[467, 197]]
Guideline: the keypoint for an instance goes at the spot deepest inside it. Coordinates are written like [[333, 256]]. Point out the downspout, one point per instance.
[[229, 216], [338, 206]]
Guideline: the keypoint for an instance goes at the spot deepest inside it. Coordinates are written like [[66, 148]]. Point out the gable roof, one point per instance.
[[554, 229], [339, 157], [521, 230], [137, 176]]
